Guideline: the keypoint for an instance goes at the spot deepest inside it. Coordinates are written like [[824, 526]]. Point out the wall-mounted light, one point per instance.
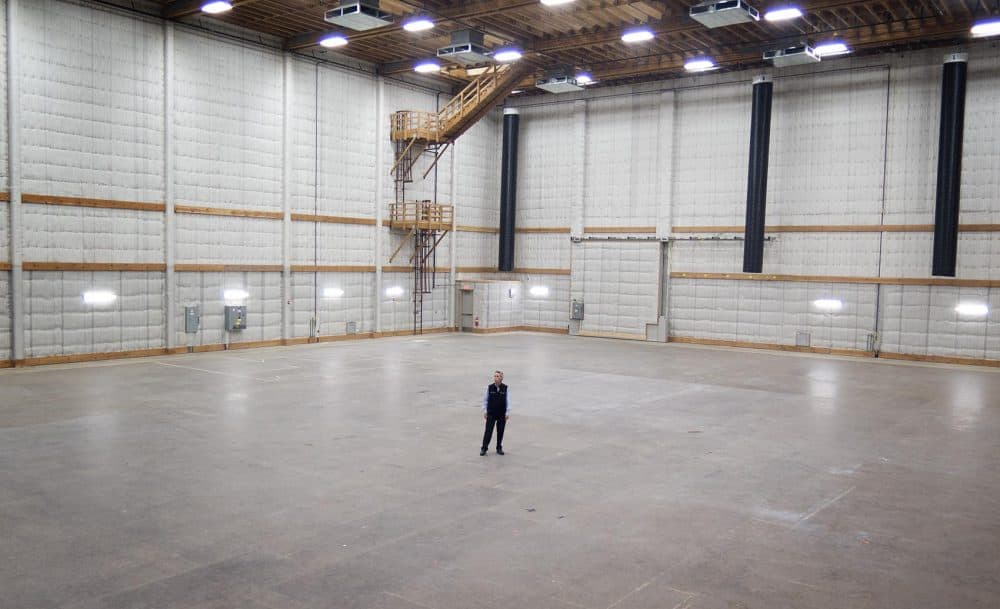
[[333, 41], [235, 295], [641, 34], [394, 292], [99, 297], [539, 291], [828, 305], [986, 27], [972, 309], [831, 48], [332, 292], [783, 14], [427, 66], [418, 24], [214, 7], [699, 64], [507, 55]]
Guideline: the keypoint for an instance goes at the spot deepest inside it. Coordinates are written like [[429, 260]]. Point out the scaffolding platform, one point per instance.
[[420, 215]]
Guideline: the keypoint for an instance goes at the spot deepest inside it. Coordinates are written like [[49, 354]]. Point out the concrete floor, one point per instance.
[[636, 476]]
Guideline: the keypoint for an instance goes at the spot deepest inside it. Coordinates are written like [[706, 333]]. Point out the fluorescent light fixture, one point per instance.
[[517, 91], [783, 14], [507, 55], [427, 67], [332, 292], [333, 41], [828, 49], [555, 2], [699, 64], [99, 297], [539, 290], [394, 292], [986, 27], [584, 79], [216, 6], [418, 24], [972, 309], [830, 305], [235, 295], [637, 35]]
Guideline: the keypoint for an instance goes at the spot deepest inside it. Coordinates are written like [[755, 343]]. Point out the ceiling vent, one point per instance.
[[363, 15], [726, 12], [792, 56], [558, 84], [466, 48]]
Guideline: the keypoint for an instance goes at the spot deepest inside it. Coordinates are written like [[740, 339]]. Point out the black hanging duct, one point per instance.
[[760, 136], [508, 189], [949, 175]]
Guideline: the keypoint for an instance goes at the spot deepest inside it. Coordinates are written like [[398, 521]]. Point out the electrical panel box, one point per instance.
[[192, 319], [576, 310], [236, 318]]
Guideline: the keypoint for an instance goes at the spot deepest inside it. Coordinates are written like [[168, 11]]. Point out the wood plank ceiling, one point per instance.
[[586, 34]]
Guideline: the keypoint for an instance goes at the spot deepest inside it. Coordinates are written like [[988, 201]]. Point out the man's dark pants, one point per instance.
[[500, 422]]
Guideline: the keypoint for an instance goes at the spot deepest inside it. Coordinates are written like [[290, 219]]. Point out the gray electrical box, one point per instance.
[[236, 318], [576, 310], [192, 319]]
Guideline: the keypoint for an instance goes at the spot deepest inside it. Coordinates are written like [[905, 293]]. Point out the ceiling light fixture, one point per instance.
[[829, 49], [333, 41], [699, 64], [418, 24], [555, 2], [986, 27], [783, 14], [216, 6], [584, 78], [641, 34], [427, 67], [507, 55]]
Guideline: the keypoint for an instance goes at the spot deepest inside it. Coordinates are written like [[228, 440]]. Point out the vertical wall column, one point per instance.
[[508, 189], [453, 241], [286, 198], [579, 168], [380, 137], [169, 221], [949, 173], [760, 137], [14, 184]]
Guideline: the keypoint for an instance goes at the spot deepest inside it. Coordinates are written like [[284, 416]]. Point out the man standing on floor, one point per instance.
[[496, 411]]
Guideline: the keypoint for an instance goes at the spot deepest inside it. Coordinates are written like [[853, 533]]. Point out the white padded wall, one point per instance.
[[622, 161], [497, 304], [980, 202], [348, 128], [91, 103], [304, 136], [4, 186], [5, 321], [332, 244], [225, 240], [207, 290], [58, 322], [711, 140], [80, 234], [314, 295], [477, 157], [478, 249], [827, 148], [228, 113], [545, 174], [922, 320], [618, 283], [542, 250], [397, 312], [549, 310]]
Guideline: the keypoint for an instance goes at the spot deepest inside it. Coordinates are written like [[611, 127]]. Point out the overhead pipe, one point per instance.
[[949, 175], [760, 136], [508, 189]]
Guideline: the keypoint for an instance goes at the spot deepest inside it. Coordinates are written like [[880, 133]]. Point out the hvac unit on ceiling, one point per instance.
[[721, 14], [558, 84], [792, 56], [361, 15], [466, 48]]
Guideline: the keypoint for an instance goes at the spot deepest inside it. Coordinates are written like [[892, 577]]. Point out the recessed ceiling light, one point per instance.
[[333, 41], [783, 13], [506, 55], [584, 78], [986, 27], [828, 49], [427, 67], [637, 35], [418, 24], [216, 6], [555, 2], [699, 64]]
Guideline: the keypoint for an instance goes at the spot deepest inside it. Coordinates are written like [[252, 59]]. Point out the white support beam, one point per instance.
[[381, 133], [169, 220], [286, 197], [14, 183]]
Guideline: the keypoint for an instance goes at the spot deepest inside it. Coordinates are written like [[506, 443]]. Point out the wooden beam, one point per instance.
[[620, 229], [540, 230], [234, 213], [228, 268], [476, 229], [332, 268], [5, 266], [332, 219], [542, 271], [95, 203], [132, 267]]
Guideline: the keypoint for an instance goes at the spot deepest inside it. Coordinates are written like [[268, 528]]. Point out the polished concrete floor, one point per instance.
[[636, 476]]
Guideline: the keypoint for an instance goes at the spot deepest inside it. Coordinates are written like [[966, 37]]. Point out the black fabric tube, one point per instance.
[[508, 191], [949, 176], [760, 136]]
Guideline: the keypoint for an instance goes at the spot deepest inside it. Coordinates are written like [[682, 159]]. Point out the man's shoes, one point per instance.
[[482, 452], [499, 451]]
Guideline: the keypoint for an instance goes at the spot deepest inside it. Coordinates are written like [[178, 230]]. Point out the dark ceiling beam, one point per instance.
[[184, 8]]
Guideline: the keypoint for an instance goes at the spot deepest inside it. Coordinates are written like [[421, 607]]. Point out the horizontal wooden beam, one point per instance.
[[476, 269], [94, 203], [541, 230], [620, 230], [228, 268], [221, 211], [332, 219], [618, 335], [464, 228], [95, 266], [940, 359], [333, 268], [925, 281], [4, 197], [542, 271], [5, 266]]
